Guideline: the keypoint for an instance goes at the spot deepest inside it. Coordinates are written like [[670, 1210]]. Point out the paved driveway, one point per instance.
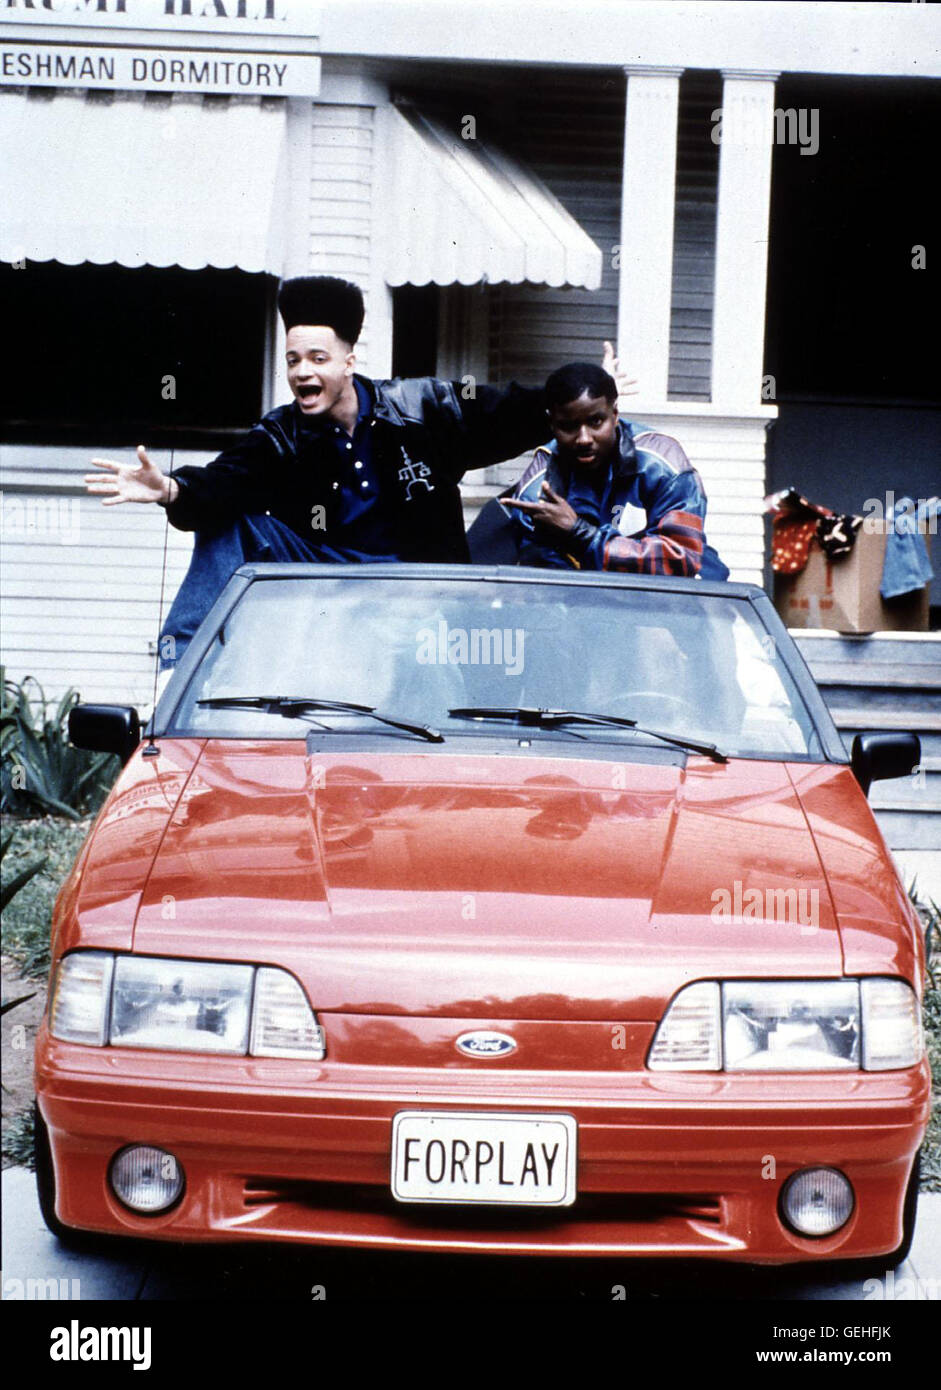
[[135, 1270]]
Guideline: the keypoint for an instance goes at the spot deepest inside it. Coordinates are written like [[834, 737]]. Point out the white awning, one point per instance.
[[460, 211], [125, 178]]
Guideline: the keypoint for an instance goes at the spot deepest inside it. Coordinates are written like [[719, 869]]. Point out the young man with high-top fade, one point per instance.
[[608, 494], [352, 470]]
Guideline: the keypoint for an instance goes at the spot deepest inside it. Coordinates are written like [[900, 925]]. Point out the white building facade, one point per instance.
[[555, 174]]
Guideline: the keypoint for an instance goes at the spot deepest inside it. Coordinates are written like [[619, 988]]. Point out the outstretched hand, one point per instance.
[[611, 365], [140, 482]]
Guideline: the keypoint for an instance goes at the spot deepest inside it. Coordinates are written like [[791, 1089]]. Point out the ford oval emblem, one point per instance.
[[485, 1044]]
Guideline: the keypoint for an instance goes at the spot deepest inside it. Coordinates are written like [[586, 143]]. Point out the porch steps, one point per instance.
[[891, 681]]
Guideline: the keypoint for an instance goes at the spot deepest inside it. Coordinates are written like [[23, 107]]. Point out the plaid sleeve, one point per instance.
[[674, 546]]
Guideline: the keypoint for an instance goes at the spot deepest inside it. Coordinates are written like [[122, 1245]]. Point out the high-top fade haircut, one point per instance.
[[323, 300], [577, 379]]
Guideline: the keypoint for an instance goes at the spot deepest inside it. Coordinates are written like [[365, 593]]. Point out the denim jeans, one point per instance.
[[216, 557], [906, 566]]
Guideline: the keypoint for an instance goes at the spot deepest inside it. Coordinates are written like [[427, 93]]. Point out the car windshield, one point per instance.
[[700, 667]]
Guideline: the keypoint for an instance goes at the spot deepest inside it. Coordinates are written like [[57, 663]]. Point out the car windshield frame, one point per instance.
[[163, 723]]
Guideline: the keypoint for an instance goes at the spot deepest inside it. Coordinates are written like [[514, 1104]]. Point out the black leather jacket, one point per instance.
[[426, 435]]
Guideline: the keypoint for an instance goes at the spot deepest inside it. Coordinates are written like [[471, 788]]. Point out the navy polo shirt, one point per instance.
[[363, 512]]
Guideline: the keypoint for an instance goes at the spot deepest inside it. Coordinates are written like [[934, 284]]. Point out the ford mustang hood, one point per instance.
[[492, 886]]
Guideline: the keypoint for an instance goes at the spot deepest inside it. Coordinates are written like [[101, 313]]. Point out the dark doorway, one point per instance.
[[415, 330], [853, 323]]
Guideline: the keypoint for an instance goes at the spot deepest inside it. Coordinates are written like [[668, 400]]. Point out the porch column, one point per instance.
[[745, 139], [648, 193]]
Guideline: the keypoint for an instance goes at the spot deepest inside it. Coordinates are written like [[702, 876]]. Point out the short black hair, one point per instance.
[[322, 299], [577, 379]]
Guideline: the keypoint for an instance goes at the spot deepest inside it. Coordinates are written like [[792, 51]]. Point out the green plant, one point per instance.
[[930, 914], [9, 890], [40, 771], [54, 841], [19, 1139]]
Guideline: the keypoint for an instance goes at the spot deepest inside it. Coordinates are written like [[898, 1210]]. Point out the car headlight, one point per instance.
[[790, 1025], [182, 1005]]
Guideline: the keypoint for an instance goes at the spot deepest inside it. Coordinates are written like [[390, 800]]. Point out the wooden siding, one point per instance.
[[79, 603], [570, 131], [342, 200], [694, 239], [572, 134]]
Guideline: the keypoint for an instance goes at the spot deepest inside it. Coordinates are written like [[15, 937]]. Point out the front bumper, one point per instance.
[[669, 1164]]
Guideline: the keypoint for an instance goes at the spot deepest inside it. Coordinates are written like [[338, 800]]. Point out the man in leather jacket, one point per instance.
[[608, 494], [352, 470]]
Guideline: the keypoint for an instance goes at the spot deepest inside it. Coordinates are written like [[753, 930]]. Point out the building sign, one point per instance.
[[255, 47], [297, 17], [159, 70]]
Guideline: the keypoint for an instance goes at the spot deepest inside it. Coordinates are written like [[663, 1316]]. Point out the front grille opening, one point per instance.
[[640, 1208]]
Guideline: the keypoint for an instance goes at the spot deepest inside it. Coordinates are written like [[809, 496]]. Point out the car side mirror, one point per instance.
[[105, 729], [877, 756]]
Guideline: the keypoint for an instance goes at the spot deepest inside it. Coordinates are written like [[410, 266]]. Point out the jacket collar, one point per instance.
[[383, 407]]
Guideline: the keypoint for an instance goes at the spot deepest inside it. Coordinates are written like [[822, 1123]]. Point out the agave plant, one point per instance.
[[930, 913], [40, 771]]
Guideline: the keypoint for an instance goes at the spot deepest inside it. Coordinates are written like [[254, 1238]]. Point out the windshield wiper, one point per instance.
[[556, 718], [296, 707]]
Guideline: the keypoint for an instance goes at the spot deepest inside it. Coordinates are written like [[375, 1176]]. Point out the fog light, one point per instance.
[[145, 1179], [817, 1201]]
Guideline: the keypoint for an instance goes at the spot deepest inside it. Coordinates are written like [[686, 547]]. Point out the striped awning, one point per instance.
[[461, 211], [122, 177]]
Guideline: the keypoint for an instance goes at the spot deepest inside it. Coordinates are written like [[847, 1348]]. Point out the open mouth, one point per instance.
[[308, 394]]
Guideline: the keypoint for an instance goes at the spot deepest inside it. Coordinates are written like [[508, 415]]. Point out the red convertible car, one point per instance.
[[483, 909]]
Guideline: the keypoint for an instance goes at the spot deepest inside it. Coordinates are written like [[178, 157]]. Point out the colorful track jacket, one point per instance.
[[647, 519]]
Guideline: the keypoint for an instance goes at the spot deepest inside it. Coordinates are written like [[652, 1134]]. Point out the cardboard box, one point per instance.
[[844, 594]]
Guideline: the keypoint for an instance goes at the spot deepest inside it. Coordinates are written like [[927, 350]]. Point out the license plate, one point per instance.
[[521, 1160]]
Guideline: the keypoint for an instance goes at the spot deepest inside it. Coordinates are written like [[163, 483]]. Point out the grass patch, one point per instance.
[[930, 914], [27, 919], [18, 1139], [931, 1154]]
